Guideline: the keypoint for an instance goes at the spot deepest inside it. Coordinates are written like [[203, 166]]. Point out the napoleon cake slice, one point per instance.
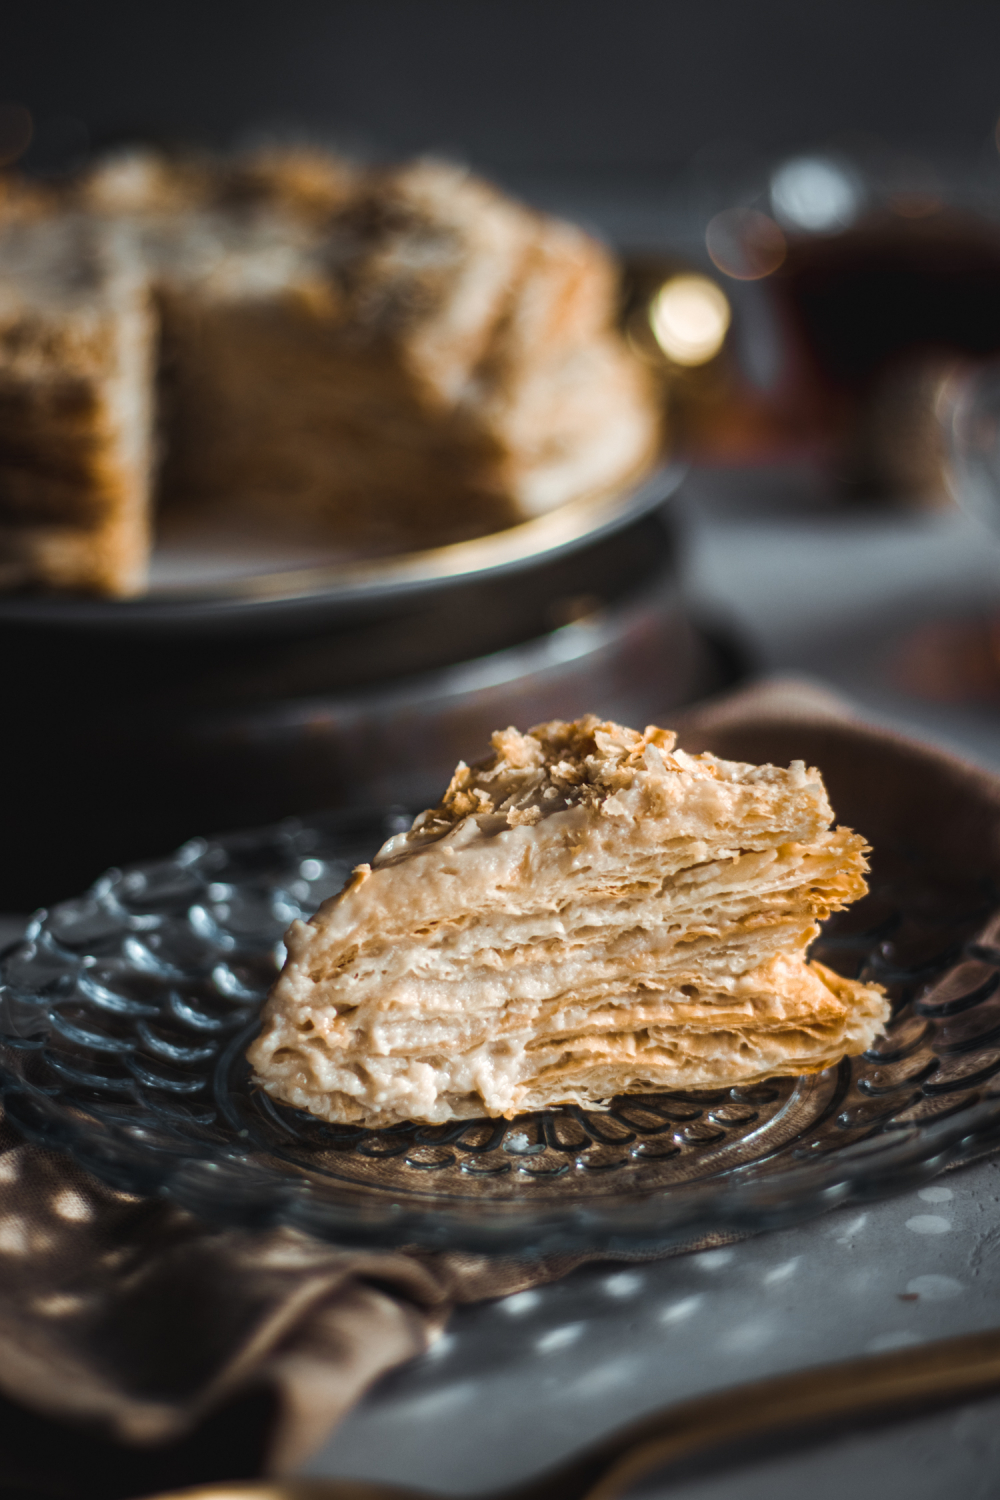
[[589, 912]]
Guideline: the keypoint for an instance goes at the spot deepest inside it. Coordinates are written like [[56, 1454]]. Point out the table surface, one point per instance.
[[517, 1383]]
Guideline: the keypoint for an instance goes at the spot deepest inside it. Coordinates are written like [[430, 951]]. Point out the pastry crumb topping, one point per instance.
[[554, 766], [560, 764]]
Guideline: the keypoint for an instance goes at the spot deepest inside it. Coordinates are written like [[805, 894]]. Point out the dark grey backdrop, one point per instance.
[[512, 85]]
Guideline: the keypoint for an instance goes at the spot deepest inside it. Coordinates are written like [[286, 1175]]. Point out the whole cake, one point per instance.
[[406, 357], [589, 912]]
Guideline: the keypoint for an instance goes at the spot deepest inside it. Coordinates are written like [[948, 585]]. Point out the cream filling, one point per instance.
[[787, 1017]]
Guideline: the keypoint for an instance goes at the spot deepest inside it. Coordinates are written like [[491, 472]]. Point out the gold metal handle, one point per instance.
[[946, 1371], [941, 1372]]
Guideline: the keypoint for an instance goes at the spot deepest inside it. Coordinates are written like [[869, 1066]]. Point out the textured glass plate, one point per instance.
[[124, 1017]]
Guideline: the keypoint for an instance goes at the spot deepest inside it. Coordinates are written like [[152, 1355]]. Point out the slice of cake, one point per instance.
[[77, 348], [589, 912]]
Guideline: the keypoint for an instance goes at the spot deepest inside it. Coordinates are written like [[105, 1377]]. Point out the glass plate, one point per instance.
[[125, 1015]]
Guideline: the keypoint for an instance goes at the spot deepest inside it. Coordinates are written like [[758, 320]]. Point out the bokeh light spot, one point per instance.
[[690, 317], [15, 1238], [70, 1205], [815, 194], [745, 244]]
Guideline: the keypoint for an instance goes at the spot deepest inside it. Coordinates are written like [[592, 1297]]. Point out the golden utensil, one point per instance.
[[939, 1373]]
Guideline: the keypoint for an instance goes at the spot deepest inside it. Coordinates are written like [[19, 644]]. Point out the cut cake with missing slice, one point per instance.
[[589, 912], [382, 360]]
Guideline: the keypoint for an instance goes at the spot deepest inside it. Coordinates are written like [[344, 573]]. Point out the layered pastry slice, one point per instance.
[[589, 912]]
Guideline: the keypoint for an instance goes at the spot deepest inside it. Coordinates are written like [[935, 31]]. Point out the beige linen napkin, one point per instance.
[[141, 1350]]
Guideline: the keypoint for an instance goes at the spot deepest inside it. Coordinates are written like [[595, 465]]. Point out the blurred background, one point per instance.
[[631, 93], [805, 204]]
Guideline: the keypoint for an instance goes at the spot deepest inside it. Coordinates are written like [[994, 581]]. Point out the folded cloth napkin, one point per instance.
[[141, 1349]]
